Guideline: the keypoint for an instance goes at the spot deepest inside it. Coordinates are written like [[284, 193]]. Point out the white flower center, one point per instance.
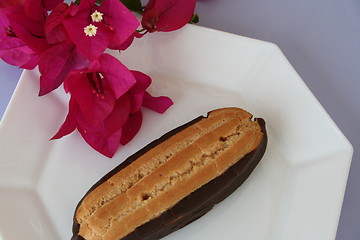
[[90, 30], [97, 16]]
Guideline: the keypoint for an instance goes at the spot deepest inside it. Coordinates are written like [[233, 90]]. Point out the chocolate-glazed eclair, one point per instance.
[[174, 180]]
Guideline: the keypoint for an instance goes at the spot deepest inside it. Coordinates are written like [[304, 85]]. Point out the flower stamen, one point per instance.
[[8, 32], [90, 30], [95, 80], [97, 16]]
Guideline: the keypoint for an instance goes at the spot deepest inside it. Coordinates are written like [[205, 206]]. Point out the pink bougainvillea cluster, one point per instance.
[[67, 42]]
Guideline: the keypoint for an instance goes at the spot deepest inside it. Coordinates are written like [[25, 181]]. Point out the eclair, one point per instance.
[[174, 180]]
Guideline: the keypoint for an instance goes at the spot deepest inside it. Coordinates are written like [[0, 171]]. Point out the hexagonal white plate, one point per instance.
[[296, 191]]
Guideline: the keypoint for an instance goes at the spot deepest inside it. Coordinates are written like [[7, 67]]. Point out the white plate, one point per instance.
[[296, 192]]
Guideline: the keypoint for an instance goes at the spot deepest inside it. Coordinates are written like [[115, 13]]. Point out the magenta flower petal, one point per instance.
[[70, 122], [93, 95], [157, 104], [75, 8], [51, 4], [5, 4], [18, 16], [54, 29], [131, 127], [117, 75], [39, 45], [167, 15], [122, 21], [137, 91], [21, 38], [32, 62], [34, 9], [56, 16], [91, 47], [56, 63], [117, 118], [18, 57], [103, 136], [37, 10], [143, 81], [86, 4], [14, 51], [16, 24], [127, 42], [107, 146], [122, 46]]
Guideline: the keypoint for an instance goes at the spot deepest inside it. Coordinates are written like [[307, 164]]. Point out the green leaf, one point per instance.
[[195, 18], [133, 5]]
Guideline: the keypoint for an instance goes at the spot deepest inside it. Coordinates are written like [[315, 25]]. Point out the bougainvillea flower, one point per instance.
[[16, 53], [104, 120], [117, 24], [27, 29], [99, 106], [22, 39], [167, 15], [54, 29], [104, 136], [31, 34], [96, 88], [140, 97], [37, 10], [56, 63], [12, 49]]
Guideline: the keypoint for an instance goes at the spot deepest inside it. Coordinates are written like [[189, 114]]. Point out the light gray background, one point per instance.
[[321, 38]]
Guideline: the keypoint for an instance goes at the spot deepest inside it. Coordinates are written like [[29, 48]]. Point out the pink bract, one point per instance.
[[56, 63], [167, 15], [54, 29], [96, 88], [104, 120], [37, 10], [22, 39], [118, 75], [117, 26], [140, 97], [50, 4]]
